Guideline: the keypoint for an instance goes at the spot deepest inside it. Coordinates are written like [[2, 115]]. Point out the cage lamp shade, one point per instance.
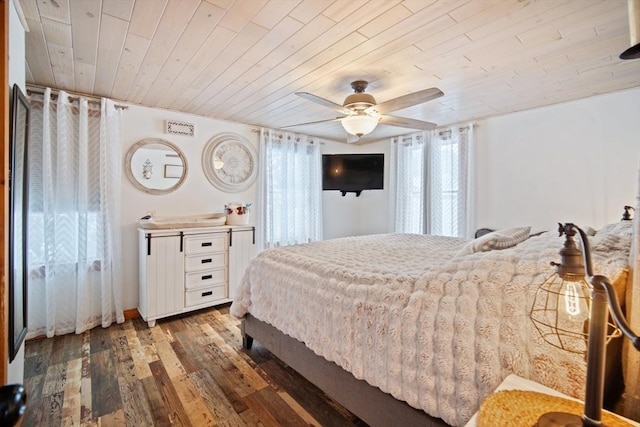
[[560, 312], [359, 124], [572, 310]]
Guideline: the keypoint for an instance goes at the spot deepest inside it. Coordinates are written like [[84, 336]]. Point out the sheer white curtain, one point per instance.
[[289, 189], [408, 156], [450, 172], [432, 181], [75, 268]]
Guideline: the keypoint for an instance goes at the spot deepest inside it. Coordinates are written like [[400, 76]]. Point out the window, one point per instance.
[[290, 189], [74, 229], [431, 176], [448, 167], [410, 189]]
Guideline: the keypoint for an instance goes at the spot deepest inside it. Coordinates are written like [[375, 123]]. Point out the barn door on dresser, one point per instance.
[[242, 249]]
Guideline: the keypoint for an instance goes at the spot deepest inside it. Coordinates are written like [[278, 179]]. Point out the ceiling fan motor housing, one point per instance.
[[359, 101]]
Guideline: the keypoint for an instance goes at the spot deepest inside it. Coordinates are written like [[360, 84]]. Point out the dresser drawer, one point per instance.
[[205, 295], [205, 262], [206, 278], [206, 243]]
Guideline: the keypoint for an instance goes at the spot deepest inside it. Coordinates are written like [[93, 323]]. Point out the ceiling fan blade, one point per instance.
[[405, 101], [324, 102], [313, 123], [351, 139], [407, 123]]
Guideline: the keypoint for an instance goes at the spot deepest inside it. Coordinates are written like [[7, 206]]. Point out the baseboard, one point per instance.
[[128, 315], [132, 313]]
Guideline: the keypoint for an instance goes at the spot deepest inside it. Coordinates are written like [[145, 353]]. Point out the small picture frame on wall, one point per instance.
[[173, 171]]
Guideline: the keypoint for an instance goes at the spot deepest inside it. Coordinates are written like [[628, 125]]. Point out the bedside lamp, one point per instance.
[[568, 309], [626, 215]]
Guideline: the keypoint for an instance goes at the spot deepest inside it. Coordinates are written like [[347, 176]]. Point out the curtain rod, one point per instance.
[[407, 137], [74, 96], [460, 129], [296, 139]]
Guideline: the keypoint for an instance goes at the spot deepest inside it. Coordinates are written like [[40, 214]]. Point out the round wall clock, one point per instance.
[[230, 162]]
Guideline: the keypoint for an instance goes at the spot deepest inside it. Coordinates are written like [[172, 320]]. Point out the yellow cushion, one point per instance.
[[517, 408]]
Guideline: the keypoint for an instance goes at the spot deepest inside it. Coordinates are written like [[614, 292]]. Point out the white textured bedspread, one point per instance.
[[400, 312]]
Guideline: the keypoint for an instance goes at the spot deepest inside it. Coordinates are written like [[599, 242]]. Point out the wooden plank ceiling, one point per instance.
[[243, 60]]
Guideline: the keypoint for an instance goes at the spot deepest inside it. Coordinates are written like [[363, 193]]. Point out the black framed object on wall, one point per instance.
[[18, 204], [353, 173]]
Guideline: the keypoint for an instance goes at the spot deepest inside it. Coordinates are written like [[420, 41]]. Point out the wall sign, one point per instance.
[[180, 128]]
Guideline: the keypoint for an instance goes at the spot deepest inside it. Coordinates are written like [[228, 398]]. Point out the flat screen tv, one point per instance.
[[352, 173]]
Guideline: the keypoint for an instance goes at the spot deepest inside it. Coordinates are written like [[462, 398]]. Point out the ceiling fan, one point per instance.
[[361, 114]]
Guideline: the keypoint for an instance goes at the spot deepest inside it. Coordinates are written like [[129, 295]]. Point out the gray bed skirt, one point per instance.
[[369, 403]]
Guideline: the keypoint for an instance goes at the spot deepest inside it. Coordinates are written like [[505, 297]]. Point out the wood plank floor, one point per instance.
[[188, 370]]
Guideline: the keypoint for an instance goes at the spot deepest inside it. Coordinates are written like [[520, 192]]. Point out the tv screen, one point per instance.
[[352, 172]]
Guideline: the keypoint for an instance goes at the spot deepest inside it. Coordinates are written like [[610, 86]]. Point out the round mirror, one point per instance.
[[156, 166]]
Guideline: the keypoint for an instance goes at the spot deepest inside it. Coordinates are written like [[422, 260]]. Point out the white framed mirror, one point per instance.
[[230, 162], [156, 166]]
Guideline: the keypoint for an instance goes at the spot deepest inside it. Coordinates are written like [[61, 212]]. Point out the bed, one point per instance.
[[435, 323]]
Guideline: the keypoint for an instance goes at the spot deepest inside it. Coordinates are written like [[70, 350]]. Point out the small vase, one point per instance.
[[236, 214]]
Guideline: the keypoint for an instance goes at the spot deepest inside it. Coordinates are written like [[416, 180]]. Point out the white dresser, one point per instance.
[[186, 269]]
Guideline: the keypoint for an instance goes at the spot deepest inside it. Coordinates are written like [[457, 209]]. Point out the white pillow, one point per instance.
[[613, 237], [500, 239], [589, 231]]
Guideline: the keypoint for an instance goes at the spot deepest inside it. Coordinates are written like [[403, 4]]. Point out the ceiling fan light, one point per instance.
[[359, 124], [634, 31]]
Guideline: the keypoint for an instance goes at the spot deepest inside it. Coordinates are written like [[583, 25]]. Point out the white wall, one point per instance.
[[571, 162], [195, 196], [342, 216], [15, 372], [351, 215]]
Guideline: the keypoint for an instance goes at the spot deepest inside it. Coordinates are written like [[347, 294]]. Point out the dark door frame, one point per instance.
[[4, 156]]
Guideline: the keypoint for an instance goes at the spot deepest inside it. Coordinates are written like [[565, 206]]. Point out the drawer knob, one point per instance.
[[208, 276], [206, 294], [207, 244], [205, 261]]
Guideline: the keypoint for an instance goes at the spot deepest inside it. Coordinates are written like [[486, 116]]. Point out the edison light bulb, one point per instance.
[[574, 302]]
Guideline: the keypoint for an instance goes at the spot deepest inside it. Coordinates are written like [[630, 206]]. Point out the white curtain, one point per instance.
[[450, 209], [289, 189], [408, 155], [75, 268]]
